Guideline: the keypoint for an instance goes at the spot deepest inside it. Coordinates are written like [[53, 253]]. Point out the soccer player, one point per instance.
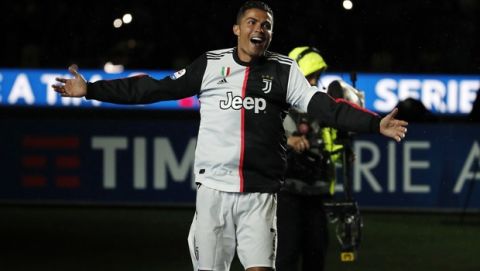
[[244, 94]]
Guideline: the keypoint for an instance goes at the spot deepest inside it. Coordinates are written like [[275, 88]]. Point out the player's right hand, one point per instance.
[[298, 143], [75, 87]]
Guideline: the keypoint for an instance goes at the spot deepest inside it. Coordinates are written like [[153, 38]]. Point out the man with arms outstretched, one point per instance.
[[244, 94]]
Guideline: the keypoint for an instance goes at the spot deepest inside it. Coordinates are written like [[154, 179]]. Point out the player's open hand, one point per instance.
[[75, 87], [394, 128]]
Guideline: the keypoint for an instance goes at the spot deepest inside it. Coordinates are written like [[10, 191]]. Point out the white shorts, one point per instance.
[[228, 220]]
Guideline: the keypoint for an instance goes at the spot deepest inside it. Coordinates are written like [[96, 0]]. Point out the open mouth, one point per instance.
[[257, 40]]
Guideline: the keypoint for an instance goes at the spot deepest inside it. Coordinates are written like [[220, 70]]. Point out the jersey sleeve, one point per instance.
[[342, 115], [299, 91], [339, 113], [144, 89]]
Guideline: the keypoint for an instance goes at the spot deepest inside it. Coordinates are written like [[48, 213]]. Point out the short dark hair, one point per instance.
[[253, 4]]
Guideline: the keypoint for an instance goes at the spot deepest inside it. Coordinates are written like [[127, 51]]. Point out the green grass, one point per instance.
[[415, 242], [100, 238]]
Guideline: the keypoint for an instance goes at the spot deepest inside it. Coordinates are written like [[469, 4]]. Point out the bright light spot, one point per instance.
[[127, 18], [117, 23], [112, 68], [347, 4]]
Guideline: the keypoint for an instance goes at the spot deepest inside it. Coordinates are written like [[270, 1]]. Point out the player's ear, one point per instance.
[[236, 30]]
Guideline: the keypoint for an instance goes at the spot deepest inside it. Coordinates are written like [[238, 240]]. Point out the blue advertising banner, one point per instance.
[[151, 161], [441, 94], [98, 161], [436, 167], [32, 88]]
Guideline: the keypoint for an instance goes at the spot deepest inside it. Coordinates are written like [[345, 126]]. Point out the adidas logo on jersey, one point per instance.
[[236, 102], [223, 81]]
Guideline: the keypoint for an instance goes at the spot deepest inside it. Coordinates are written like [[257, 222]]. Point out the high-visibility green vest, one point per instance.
[[329, 135]]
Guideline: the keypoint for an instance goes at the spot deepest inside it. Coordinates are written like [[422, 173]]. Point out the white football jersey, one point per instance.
[[241, 141]]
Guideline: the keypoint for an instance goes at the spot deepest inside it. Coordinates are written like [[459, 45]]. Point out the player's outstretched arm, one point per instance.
[[75, 87], [391, 127]]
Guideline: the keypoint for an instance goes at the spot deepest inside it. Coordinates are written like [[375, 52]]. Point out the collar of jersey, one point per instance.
[[243, 63]]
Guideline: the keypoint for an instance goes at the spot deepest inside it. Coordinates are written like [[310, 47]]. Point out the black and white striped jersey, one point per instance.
[[241, 143]]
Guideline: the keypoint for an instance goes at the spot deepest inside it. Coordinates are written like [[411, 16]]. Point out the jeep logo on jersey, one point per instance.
[[236, 102]]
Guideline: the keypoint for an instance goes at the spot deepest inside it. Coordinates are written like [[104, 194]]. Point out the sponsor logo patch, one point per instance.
[[237, 103], [178, 74], [223, 81]]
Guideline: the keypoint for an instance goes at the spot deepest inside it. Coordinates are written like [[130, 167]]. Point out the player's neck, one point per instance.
[[244, 58]]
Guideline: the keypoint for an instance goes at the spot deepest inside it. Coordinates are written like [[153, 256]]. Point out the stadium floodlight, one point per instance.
[[127, 18], [117, 23], [347, 4]]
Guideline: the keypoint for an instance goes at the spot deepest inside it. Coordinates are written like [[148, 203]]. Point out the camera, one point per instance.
[[312, 165]]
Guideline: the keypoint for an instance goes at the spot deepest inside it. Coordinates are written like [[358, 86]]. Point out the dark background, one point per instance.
[[412, 36], [408, 36], [49, 238]]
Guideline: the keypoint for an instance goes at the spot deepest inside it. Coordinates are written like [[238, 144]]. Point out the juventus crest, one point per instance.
[[267, 81]]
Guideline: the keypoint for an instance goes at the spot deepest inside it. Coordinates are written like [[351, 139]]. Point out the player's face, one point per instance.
[[254, 33]]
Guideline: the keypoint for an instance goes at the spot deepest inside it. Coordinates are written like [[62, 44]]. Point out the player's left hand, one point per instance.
[[394, 128], [75, 87]]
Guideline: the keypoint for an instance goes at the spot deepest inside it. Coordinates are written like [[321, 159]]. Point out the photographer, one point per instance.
[[310, 178]]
